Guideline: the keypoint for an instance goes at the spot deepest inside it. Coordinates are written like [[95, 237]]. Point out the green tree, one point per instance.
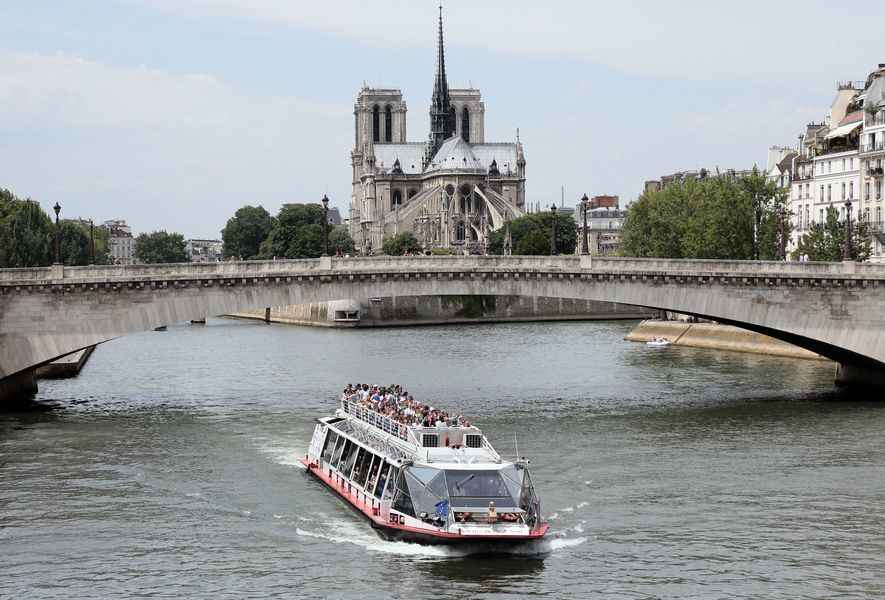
[[75, 243], [340, 240], [160, 247], [26, 233], [824, 241], [400, 244], [297, 233], [530, 234], [245, 231]]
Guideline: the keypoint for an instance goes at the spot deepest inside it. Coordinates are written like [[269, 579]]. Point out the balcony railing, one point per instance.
[[879, 119], [874, 171], [877, 147]]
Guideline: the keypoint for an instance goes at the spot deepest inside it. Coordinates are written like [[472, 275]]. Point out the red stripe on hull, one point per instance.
[[406, 533]]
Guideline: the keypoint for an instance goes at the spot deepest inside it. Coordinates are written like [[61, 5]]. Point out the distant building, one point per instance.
[[204, 251], [680, 177], [604, 202], [121, 245], [334, 216], [604, 227]]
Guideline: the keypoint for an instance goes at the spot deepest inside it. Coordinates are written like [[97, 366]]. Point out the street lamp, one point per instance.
[[846, 243], [585, 206], [325, 225], [92, 239], [57, 209], [553, 237]]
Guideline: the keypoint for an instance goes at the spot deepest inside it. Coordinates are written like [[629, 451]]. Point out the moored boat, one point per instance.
[[436, 481]]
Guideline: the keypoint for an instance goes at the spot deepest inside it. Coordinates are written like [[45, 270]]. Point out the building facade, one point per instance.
[[604, 227], [203, 251], [121, 244], [451, 191], [872, 159]]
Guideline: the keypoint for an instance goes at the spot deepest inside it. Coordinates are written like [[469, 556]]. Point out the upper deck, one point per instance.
[[444, 442]]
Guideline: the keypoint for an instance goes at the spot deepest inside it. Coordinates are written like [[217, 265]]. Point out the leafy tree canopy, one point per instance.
[[26, 233], [245, 231], [160, 247], [530, 234], [824, 241], [400, 244]]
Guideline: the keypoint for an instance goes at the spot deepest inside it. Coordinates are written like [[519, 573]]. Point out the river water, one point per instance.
[[168, 469]]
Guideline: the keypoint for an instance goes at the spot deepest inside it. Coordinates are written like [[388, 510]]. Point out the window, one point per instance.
[[821, 216], [821, 199], [829, 166], [329, 447], [430, 440], [799, 221], [807, 216], [382, 479], [843, 190], [473, 440], [465, 124], [866, 194], [851, 190], [843, 164], [475, 484], [878, 189], [829, 192], [388, 124], [878, 214], [376, 124]]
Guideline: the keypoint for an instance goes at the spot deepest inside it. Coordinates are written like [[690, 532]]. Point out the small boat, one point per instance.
[[658, 342], [160, 328], [439, 484]]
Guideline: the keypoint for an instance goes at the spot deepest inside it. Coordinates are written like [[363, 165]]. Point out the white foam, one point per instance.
[[283, 452], [553, 516], [582, 504], [568, 509]]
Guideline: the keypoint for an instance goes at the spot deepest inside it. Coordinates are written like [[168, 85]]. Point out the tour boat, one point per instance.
[[443, 484], [658, 342]]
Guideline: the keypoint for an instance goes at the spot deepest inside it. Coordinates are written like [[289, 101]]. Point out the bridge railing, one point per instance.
[[450, 264]]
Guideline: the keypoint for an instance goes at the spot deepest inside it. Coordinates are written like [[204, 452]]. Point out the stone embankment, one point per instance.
[[718, 337], [443, 310]]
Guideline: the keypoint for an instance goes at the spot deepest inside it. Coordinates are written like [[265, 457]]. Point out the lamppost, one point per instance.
[[585, 244], [553, 237], [325, 225], [57, 209], [92, 240], [846, 243]]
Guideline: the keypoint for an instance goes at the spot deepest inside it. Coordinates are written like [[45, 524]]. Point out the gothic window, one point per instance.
[[395, 198], [388, 124], [460, 232], [452, 121], [465, 124], [376, 124]]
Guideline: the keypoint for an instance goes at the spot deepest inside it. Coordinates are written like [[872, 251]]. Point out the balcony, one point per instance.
[[874, 171], [877, 147], [875, 121]]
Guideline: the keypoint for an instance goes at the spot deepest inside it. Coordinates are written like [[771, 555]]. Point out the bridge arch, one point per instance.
[[834, 309]]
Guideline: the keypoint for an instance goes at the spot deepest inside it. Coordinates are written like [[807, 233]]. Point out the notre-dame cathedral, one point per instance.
[[450, 191]]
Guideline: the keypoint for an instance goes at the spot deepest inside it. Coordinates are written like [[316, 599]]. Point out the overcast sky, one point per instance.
[[173, 113]]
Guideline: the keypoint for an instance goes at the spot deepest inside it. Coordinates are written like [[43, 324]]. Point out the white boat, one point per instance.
[[658, 342], [443, 484]]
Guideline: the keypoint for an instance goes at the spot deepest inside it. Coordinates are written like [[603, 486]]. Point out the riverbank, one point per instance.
[[718, 337], [402, 311]]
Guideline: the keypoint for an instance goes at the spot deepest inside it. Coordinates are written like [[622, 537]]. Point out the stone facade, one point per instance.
[[451, 190]]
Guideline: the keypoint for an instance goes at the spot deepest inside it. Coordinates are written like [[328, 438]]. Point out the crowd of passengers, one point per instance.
[[396, 403]]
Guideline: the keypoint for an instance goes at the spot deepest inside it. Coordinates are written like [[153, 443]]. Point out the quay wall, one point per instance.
[[438, 310], [718, 337]]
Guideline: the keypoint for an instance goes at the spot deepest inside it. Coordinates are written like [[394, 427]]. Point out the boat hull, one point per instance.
[[404, 533]]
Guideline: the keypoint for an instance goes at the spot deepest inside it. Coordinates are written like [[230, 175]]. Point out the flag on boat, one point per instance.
[[442, 509]]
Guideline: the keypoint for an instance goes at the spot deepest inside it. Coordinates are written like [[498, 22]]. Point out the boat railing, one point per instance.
[[385, 424]]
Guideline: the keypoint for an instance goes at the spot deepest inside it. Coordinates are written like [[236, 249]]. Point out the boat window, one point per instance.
[[348, 459], [402, 501], [357, 464], [430, 440], [473, 440], [373, 474], [382, 479], [336, 456], [476, 484], [392, 476], [329, 447], [362, 471]]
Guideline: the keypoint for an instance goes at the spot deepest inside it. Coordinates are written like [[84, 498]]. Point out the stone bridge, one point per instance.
[[834, 309]]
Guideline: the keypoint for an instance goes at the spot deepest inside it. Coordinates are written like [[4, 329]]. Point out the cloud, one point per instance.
[[160, 149], [754, 40]]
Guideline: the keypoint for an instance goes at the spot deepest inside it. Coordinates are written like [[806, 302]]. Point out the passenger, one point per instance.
[[493, 514]]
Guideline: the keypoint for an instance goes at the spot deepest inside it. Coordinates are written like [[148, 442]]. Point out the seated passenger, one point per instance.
[[493, 514]]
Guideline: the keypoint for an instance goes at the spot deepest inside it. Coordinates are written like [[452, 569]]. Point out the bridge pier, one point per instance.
[[18, 388], [853, 375]]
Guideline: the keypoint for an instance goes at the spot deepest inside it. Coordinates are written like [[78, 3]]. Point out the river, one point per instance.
[[168, 469]]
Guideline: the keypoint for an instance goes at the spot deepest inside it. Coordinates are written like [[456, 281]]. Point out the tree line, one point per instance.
[[745, 217]]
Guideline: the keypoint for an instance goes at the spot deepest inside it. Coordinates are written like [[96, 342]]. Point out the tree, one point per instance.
[[530, 235], [75, 243], [245, 231], [297, 232], [340, 240], [824, 241], [400, 244], [722, 217], [160, 247], [26, 233]]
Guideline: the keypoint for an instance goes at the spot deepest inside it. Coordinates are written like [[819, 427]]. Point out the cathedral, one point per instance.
[[450, 191]]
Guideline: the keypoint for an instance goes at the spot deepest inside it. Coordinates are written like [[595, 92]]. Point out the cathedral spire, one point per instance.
[[441, 121]]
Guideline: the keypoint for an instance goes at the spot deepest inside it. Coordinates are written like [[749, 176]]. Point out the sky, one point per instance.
[[172, 114]]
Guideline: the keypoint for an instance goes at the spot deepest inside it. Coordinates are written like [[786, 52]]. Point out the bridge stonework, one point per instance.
[[834, 309]]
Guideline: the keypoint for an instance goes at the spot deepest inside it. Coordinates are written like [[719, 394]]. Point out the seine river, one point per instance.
[[168, 469]]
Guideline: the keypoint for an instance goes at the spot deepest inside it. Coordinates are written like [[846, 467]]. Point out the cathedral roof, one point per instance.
[[410, 156], [455, 153]]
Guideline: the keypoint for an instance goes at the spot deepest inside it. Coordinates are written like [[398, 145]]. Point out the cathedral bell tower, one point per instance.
[[442, 117]]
